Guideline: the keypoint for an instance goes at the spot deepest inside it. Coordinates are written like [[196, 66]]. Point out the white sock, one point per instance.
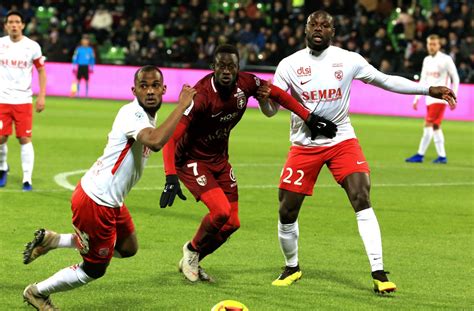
[[425, 140], [439, 142], [66, 240], [3, 157], [27, 161], [370, 233], [63, 280], [288, 237]]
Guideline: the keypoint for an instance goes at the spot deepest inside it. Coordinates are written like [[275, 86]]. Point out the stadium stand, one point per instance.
[[176, 33]]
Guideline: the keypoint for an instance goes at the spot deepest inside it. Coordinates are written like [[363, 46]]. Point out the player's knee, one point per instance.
[[220, 218], [128, 252], [233, 225], [359, 199], [94, 270]]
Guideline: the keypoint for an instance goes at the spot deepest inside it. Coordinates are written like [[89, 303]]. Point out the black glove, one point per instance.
[[172, 189], [320, 126]]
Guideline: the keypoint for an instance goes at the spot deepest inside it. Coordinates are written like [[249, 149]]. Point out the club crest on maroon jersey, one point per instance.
[[241, 100], [339, 75], [202, 180]]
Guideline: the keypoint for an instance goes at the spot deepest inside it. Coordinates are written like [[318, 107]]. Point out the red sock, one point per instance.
[[219, 213], [232, 225]]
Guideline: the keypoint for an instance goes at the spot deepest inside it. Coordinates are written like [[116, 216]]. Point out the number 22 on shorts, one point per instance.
[[290, 174]]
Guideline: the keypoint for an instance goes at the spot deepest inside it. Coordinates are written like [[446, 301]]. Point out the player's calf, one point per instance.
[[43, 242]]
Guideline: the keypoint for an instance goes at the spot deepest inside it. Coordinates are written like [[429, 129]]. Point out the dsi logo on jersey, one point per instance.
[[303, 71]]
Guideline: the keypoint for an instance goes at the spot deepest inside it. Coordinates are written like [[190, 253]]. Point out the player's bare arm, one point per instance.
[[444, 93], [155, 139], [41, 99], [268, 107]]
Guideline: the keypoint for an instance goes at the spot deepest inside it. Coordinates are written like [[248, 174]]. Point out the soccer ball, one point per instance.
[[229, 305]]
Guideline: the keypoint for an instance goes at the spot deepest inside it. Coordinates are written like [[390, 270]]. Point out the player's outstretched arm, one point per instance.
[[444, 93], [156, 138]]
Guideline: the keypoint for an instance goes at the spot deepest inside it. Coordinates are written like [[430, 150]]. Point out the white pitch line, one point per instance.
[[69, 187], [62, 180]]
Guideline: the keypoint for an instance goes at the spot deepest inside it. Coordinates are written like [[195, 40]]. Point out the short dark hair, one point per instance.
[[17, 13], [146, 68], [226, 48]]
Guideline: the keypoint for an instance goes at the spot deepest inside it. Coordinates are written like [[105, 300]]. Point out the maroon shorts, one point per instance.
[[21, 115], [435, 113], [303, 165], [98, 227], [200, 177]]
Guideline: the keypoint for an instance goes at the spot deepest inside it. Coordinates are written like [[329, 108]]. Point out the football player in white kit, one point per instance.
[[320, 77], [102, 223], [438, 69], [18, 55]]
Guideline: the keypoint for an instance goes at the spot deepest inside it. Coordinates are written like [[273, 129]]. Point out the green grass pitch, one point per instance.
[[425, 212]]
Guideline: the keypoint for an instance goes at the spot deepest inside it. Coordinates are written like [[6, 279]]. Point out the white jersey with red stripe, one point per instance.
[[439, 70], [114, 174], [16, 69], [322, 83]]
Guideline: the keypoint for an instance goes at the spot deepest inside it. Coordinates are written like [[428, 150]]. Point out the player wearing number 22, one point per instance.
[[198, 153], [320, 77]]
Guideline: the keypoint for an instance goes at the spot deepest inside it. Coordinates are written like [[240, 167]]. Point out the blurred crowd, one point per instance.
[[184, 33]]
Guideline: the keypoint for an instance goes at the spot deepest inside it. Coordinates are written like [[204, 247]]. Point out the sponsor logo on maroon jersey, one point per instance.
[[339, 75], [202, 180], [303, 71], [325, 95], [229, 117]]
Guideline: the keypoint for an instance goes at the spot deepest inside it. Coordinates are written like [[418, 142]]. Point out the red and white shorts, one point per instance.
[[435, 113], [303, 165], [99, 228], [200, 177], [21, 115]]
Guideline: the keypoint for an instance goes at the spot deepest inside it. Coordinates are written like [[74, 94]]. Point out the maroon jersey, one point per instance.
[[212, 116]]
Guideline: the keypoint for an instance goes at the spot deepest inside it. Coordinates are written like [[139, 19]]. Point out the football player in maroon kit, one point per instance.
[[198, 152]]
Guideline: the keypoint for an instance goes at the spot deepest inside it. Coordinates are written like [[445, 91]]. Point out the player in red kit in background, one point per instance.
[[198, 152], [18, 55], [326, 91]]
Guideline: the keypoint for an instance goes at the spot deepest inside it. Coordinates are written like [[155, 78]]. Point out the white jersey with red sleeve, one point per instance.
[[439, 70], [322, 83], [114, 174], [16, 68]]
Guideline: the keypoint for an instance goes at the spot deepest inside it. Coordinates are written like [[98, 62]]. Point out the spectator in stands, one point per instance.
[[102, 23]]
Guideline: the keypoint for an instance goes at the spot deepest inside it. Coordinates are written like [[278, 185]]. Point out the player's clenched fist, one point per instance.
[[186, 95], [320, 126], [445, 93], [172, 188]]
